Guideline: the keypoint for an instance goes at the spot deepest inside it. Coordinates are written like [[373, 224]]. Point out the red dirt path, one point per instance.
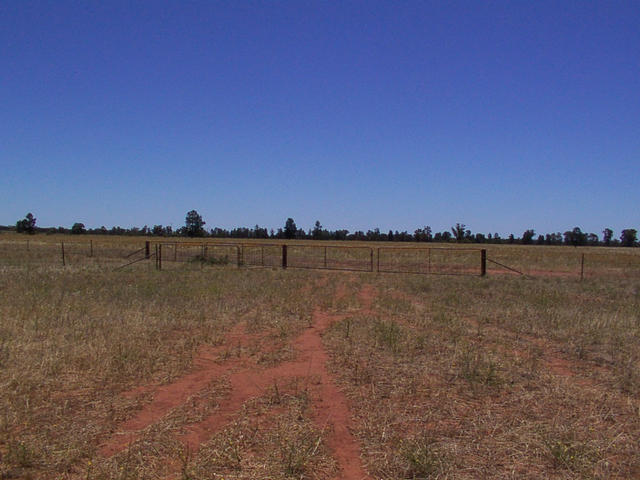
[[329, 405]]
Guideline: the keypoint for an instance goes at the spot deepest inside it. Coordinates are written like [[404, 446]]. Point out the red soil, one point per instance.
[[247, 380]]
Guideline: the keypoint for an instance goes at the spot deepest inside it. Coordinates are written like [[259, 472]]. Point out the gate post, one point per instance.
[[483, 262], [284, 256]]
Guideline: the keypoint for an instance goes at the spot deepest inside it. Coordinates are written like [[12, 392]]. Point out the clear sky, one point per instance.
[[361, 114]]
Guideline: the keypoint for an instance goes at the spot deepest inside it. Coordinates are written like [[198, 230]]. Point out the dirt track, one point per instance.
[[330, 408]]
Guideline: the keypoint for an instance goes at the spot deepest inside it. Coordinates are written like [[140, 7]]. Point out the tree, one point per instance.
[[527, 237], [290, 229], [317, 231], [27, 224], [575, 237], [194, 224], [607, 235], [459, 231], [629, 237], [78, 229]]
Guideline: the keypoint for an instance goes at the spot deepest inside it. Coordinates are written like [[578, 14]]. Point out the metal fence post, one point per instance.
[[160, 257], [371, 257], [378, 266], [483, 262], [284, 256], [325, 256], [582, 268], [175, 252], [91, 248]]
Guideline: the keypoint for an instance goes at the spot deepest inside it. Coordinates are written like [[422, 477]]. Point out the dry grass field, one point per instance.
[[204, 370]]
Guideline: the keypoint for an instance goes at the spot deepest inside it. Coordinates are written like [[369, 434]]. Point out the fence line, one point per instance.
[[469, 261], [385, 258]]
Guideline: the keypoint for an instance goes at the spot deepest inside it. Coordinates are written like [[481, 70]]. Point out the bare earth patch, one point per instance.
[[248, 381]]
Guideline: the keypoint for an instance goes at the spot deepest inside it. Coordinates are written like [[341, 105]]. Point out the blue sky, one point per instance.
[[361, 114]]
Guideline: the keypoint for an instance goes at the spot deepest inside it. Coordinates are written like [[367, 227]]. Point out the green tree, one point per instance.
[[194, 224], [607, 235], [629, 237], [27, 224], [459, 231], [575, 237], [527, 237], [317, 231], [78, 229], [290, 229]]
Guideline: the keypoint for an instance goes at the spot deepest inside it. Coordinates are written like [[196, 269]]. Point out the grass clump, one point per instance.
[[421, 458], [388, 334], [211, 259]]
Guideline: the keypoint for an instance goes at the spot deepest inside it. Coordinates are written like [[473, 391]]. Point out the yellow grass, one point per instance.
[[456, 377]]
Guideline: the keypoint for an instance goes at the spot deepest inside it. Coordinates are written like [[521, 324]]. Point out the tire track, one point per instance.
[[330, 407]]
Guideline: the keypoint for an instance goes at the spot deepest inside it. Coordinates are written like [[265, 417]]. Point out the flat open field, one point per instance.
[[204, 370]]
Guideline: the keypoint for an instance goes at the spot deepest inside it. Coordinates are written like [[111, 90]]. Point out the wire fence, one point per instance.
[[428, 260]]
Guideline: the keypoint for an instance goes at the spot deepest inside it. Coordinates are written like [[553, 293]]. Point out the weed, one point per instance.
[[570, 454], [421, 458], [297, 452], [20, 454], [387, 334], [477, 367]]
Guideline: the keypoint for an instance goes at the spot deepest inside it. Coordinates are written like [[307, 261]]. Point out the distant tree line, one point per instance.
[[459, 233]]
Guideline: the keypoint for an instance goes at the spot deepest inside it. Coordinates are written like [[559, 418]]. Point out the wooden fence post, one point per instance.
[[371, 257], [284, 256], [91, 248], [62, 248], [582, 268], [483, 262], [147, 249], [160, 257]]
